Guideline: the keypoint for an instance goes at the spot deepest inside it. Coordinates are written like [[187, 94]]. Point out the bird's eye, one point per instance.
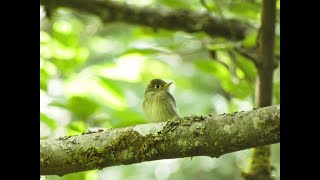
[[157, 86]]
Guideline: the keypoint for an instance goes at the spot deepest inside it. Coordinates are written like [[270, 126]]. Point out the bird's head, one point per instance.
[[157, 85]]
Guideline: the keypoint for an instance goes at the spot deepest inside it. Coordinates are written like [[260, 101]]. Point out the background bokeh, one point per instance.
[[93, 76]]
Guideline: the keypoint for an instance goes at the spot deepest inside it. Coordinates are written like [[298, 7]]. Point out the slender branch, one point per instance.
[[212, 135], [260, 166], [248, 53], [252, 55], [266, 54], [239, 65], [184, 20]]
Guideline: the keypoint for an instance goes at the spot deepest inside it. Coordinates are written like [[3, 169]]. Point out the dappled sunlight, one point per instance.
[[243, 105], [220, 104], [44, 100], [139, 2], [91, 87], [64, 53], [62, 27], [56, 87], [174, 60], [148, 44], [243, 159], [157, 69], [103, 45], [44, 37], [127, 68], [55, 118]]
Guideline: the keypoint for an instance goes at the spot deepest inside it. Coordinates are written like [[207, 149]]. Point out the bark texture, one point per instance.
[[261, 167], [185, 20], [211, 135]]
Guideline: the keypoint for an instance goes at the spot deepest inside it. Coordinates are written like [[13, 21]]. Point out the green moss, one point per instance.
[[92, 157], [198, 129], [152, 152], [270, 125], [182, 143], [260, 165]]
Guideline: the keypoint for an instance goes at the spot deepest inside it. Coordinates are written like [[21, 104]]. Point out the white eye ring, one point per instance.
[[157, 86]]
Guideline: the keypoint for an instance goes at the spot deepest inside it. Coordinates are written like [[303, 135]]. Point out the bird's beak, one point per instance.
[[167, 85]]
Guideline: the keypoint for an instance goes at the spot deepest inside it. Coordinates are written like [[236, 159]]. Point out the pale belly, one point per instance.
[[158, 111]]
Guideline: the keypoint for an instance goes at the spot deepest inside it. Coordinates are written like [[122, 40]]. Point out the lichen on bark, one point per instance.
[[190, 136]]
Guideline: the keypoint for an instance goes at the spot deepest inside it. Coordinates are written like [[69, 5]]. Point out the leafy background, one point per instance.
[[93, 76]]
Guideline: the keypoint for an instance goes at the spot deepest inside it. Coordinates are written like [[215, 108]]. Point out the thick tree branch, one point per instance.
[[184, 20], [212, 135]]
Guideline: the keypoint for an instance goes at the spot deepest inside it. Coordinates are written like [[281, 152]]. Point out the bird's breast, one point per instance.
[[159, 107]]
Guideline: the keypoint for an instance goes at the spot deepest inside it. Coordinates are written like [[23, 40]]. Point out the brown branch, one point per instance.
[[184, 20], [248, 53], [260, 166], [251, 54], [266, 54]]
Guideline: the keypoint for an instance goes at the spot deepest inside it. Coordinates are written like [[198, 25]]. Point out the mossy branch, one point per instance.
[[184, 20], [211, 135]]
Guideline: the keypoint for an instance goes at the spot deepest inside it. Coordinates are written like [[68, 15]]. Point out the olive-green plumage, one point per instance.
[[158, 103]]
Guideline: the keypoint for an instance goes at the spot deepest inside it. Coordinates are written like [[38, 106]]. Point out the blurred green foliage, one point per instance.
[[93, 75]]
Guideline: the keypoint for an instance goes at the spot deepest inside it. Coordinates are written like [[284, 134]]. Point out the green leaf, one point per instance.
[[49, 121], [104, 92], [181, 4], [58, 103], [127, 117], [67, 32], [67, 58], [247, 66], [214, 68], [76, 127], [145, 50], [44, 37], [238, 88], [220, 46], [114, 91], [241, 89], [82, 106], [44, 76], [250, 40], [112, 86], [246, 10]]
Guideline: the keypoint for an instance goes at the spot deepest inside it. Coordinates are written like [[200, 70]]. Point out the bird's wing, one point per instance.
[[174, 102]]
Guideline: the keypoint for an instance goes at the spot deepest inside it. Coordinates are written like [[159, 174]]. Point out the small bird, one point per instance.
[[158, 103]]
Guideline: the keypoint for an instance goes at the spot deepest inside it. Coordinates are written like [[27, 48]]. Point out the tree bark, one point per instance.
[[184, 20], [211, 135], [260, 166]]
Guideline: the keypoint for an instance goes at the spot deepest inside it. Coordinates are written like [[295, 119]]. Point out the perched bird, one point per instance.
[[158, 103]]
